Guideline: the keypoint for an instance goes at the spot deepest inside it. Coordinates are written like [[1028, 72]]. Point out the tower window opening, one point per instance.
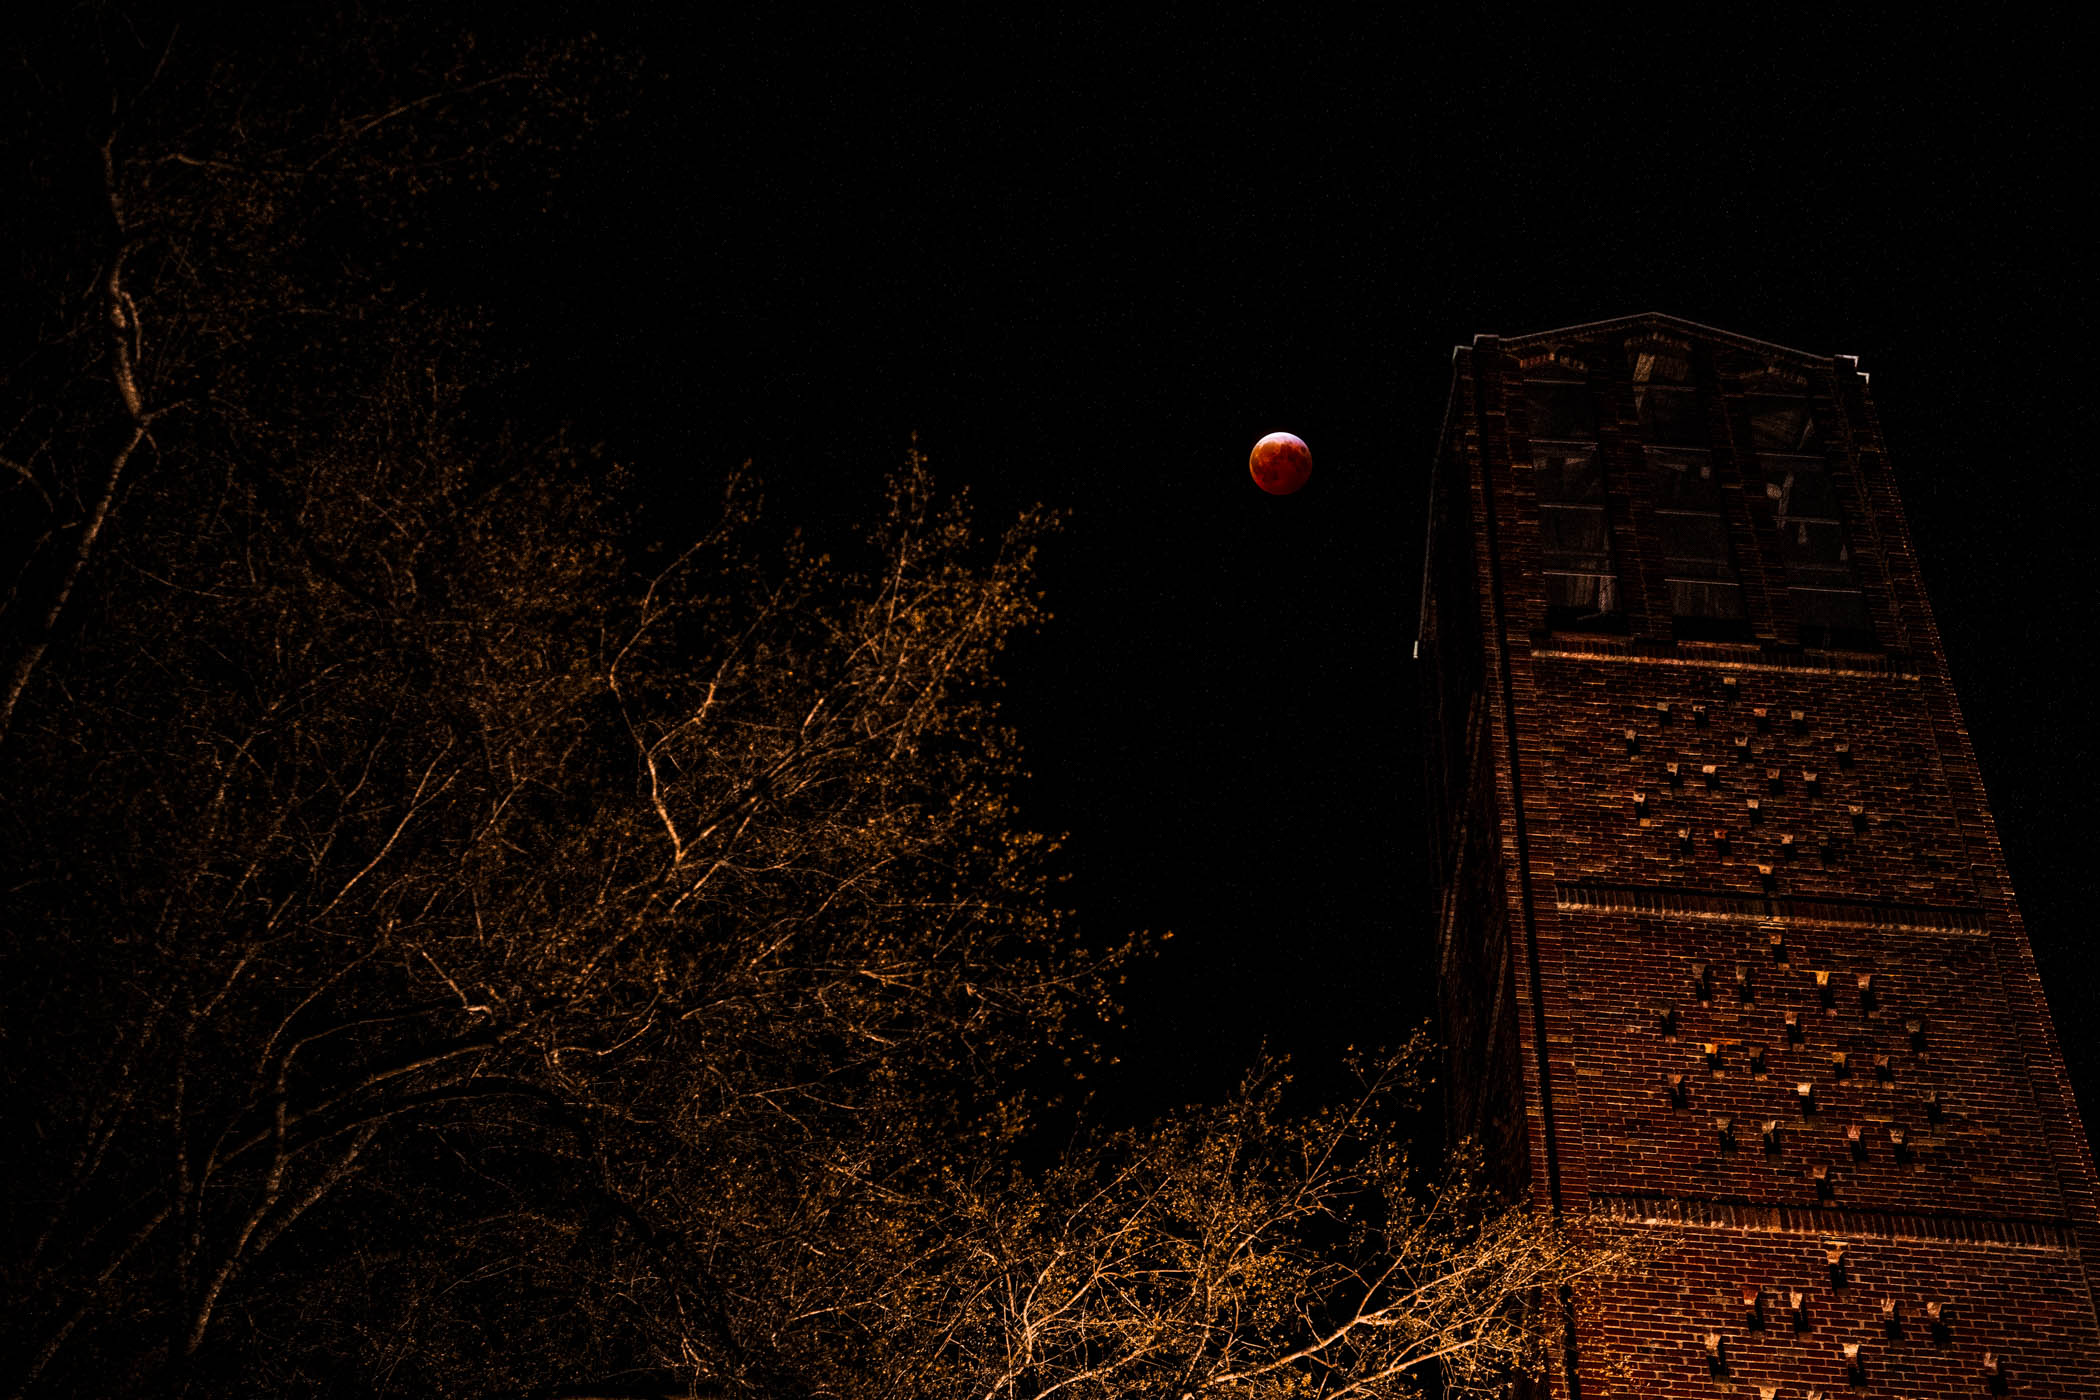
[[1559, 410], [1582, 585], [1666, 399]]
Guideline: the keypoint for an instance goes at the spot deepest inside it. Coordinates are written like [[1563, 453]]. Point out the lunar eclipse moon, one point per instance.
[[1280, 463]]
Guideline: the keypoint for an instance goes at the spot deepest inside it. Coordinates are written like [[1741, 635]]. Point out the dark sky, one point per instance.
[[1089, 266]]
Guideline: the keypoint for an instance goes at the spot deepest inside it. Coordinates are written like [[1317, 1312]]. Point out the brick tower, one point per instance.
[[1728, 953]]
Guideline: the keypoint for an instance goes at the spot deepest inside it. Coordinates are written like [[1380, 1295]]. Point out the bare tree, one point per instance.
[[173, 194], [653, 915], [381, 852], [1240, 1251], [450, 956]]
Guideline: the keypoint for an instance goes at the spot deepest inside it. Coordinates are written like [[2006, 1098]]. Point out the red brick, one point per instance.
[[1575, 917]]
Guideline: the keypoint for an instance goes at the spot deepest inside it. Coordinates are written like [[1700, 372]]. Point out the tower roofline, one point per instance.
[[1643, 320], [1657, 320]]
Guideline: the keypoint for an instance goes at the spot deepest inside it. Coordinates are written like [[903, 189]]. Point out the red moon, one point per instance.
[[1280, 463]]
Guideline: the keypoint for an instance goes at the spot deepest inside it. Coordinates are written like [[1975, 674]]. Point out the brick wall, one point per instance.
[[2024, 1303], [1726, 883]]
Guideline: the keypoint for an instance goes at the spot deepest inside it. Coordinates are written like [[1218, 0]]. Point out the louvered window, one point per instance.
[[1582, 586]]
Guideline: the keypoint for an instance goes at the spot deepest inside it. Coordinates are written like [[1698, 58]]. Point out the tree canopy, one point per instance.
[[455, 949]]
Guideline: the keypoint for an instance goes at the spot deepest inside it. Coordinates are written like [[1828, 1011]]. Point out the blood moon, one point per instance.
[[1280, 463]]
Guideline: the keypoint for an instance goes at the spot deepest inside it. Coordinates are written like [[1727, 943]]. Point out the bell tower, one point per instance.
[[1728, 953]]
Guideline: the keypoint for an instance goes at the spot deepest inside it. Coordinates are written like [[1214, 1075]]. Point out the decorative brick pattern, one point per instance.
[[1729, 958], [2024, 1305], [1822, 1222], [1775, 914]]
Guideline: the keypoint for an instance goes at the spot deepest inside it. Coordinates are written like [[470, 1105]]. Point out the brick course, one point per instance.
[[1728, 953]]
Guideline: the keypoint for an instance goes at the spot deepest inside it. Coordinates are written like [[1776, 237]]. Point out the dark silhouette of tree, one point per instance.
[[448, 957]]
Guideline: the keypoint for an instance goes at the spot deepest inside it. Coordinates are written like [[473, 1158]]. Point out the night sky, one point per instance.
[[1090, 266]]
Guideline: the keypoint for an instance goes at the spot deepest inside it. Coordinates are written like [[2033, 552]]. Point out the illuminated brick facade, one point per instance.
[[1729, 955]]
